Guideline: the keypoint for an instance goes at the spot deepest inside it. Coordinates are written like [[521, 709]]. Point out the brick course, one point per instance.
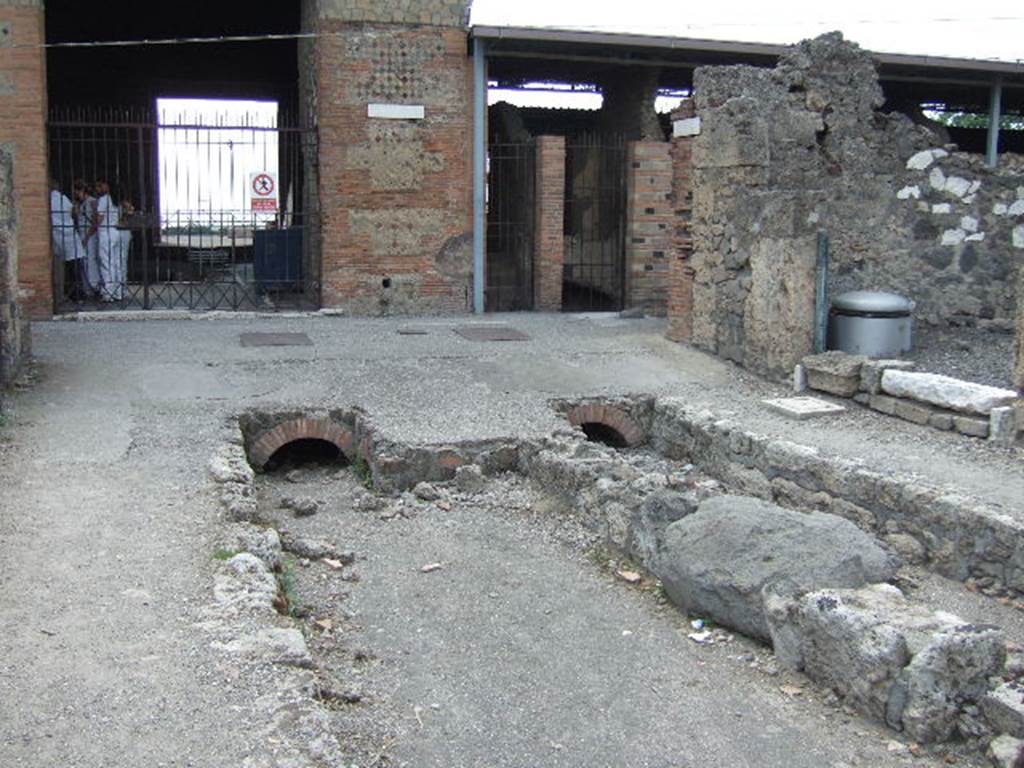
[[23, 127], [649, 225], [549, 238]]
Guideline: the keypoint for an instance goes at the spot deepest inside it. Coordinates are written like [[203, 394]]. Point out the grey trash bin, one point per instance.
[[871, 323]]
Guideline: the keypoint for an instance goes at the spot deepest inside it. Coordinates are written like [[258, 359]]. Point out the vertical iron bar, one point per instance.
[[821, 293], [142, 207]]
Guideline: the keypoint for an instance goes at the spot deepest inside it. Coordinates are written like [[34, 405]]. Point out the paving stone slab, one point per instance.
[[803, 407]]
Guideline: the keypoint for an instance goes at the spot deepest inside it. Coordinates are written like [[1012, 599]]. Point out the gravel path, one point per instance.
[[108, 525], [972, 354]]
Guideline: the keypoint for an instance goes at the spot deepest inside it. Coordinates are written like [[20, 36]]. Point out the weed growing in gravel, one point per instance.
[[600, 556], [224, 554], [362, 471], [287, 600]]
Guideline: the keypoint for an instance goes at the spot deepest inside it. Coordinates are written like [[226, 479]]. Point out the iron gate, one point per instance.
[[595, 224], [510, 226], [152, 213]]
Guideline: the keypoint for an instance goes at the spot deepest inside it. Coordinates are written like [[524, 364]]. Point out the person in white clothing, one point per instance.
[[66, 245], [109, 249], [125, 233], [85, 225]]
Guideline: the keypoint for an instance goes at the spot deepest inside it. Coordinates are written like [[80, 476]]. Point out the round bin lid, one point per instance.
[[872, 302]]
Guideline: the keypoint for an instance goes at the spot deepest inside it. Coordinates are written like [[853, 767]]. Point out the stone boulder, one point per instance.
[[718, 561], [946, 392], [894, 660], [835, 372]]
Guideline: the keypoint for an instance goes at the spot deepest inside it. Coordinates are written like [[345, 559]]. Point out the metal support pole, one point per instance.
[[821, 307], [479, 172], [995, 116]]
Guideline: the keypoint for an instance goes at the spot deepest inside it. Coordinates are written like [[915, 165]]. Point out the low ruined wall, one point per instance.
[[14, 338], [787, 152], [954, 535]]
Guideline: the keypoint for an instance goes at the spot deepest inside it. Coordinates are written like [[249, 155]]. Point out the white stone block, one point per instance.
[[920, 161], [953, 237], [977, 237], [946, 392], [906, 193], [1018, 236], [688, 126], [799, 378], [957, 186], [968, 223], [937, 179], [975, 186], [1002, 425], [1000, 209], [396, 111], [1020, 193], [803, 407], [1017, 209], [940, 208]]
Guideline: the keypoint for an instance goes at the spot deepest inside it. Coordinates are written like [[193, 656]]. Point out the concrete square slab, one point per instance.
[[275, 340], [803, 407], [490, 333]]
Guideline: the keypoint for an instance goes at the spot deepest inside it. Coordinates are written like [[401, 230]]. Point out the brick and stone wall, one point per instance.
[[549, 238], [14, 336], [23, 130], [395, 194], [649, 225], [680, 286], [786, 152]]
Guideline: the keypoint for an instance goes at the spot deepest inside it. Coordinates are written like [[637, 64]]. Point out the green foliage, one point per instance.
[[224, 554], [975, 120], [362, 471]]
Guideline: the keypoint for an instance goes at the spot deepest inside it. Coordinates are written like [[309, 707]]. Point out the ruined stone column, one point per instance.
[[13, 329], [1018, 369], [23, 130], [549, 233]]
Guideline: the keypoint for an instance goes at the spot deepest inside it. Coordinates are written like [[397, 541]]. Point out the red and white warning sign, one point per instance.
[[263, 192]]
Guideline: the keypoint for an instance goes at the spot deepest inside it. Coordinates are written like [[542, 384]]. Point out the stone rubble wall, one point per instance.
[[14, 332], [787, 152]]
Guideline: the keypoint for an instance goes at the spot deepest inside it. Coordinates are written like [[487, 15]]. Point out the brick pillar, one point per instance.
[[680, 295], [549, 224], [23, 131], [394, 104], [648, 225]]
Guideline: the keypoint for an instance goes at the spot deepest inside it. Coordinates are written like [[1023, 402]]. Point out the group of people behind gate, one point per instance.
[[91, 236]]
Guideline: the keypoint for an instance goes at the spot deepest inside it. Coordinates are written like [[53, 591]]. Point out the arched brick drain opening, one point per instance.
[[303, 452], [302, 434], [607, 424]]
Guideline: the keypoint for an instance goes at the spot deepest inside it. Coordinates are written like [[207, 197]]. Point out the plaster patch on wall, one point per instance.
[[407, 232]]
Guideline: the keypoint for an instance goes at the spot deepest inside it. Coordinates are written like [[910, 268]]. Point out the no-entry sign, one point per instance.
[[263, 192]]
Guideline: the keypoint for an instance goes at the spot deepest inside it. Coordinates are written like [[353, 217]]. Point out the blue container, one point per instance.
[[277, 259]]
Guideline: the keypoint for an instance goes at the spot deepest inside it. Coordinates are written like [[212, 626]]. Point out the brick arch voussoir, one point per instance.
[[301, 429]]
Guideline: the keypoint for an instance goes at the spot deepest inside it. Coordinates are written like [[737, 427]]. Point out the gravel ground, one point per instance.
[[972, 354], [107, 528], [519, 646]]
